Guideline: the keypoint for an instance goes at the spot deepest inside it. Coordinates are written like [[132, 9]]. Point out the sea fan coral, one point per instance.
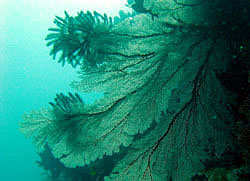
[[162, 99]]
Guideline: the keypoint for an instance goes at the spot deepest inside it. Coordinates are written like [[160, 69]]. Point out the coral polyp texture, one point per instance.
[[162, 99]]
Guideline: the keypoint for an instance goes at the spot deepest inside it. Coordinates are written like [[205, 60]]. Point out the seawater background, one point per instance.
[[29, 78]]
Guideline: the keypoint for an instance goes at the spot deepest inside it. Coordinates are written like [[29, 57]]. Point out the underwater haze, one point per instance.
[[29, 78]]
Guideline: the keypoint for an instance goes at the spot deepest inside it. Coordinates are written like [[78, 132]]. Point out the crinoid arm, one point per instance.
[[74, 36]]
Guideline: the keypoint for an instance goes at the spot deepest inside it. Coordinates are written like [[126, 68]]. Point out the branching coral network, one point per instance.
[[162, 101]]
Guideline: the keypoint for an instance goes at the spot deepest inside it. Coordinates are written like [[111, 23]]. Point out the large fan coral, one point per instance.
[[162, 97]]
